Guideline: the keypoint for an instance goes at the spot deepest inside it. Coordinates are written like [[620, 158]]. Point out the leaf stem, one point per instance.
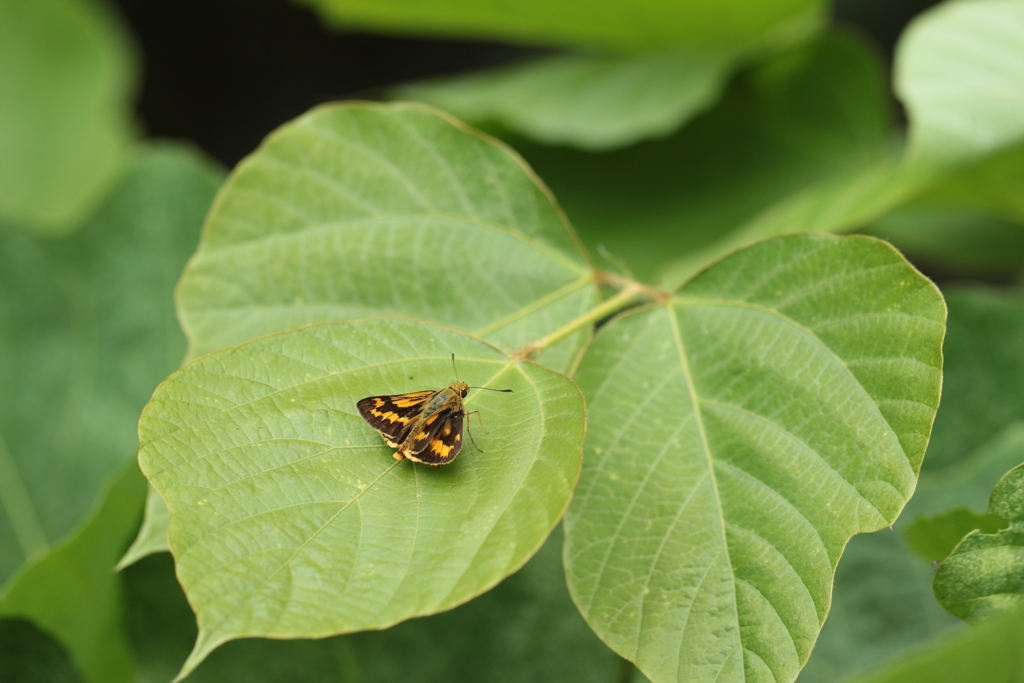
[[630, 292]]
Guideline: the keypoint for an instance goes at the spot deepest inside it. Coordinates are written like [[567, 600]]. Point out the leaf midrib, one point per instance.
[[699, 421]]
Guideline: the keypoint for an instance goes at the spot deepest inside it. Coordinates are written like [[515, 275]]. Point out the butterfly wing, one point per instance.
[[438, 440], [394, 416]]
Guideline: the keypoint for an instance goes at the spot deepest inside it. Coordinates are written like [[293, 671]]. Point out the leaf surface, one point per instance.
[[740, 434], [360, 210], [288, 516]]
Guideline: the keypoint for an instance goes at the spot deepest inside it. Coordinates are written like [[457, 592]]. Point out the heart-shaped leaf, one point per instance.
[[740, 434], [289, 518], [984, 574], [356, 210]]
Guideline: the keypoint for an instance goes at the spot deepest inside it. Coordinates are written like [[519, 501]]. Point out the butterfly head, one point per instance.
[[460, 388]]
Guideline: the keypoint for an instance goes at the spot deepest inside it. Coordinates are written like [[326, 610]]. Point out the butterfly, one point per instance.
[[425, 426]]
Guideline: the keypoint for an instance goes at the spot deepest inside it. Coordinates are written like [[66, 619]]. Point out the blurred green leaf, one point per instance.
[[72, 592], [642, 25], [812, 112], [592, 103], [968, 223], [960, 74], [991, 653], [739, 435], [66, 73], [984, 575], [87, 330], [289, 518], [357, 210], [28, 654], [933, 537]]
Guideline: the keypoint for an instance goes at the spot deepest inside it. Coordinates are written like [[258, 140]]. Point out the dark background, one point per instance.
[[224, 73]]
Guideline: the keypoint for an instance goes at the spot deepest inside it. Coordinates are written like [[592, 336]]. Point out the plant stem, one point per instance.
[[627, 294]]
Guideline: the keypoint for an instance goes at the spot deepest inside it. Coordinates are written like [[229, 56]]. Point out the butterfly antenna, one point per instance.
[[507, 391]]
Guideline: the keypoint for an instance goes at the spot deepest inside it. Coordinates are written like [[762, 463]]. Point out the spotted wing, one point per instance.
[[394, 416], [438, 440]]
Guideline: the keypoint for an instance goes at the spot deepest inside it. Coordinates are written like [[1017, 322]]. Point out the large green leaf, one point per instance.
[[812, 112], [985, 573], [589, 102], [152, 535], [65, 80], [289, 518], [362, 209], [650, 24], [960, 73], [739, 435], [87, 330]]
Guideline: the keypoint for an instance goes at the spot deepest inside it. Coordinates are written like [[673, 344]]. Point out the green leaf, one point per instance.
[[813, 112], [72, 593], [588, 102], [87, 330], [357, 210], [66, 73], [990, 653], [960, 73], [933, 537], [28, 654], [599, 23], [984, 575], [289, 518], [152, 536], [739, 435]]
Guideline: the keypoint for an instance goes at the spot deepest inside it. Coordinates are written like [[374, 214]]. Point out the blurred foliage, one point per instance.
[[671, 133]]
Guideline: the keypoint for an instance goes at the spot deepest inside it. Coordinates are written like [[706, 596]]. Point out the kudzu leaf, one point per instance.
[[359, 210], [984, 574], [288, 516], [740, 433]]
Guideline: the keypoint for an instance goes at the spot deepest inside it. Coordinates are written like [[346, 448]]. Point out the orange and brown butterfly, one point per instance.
[[425, 426]]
